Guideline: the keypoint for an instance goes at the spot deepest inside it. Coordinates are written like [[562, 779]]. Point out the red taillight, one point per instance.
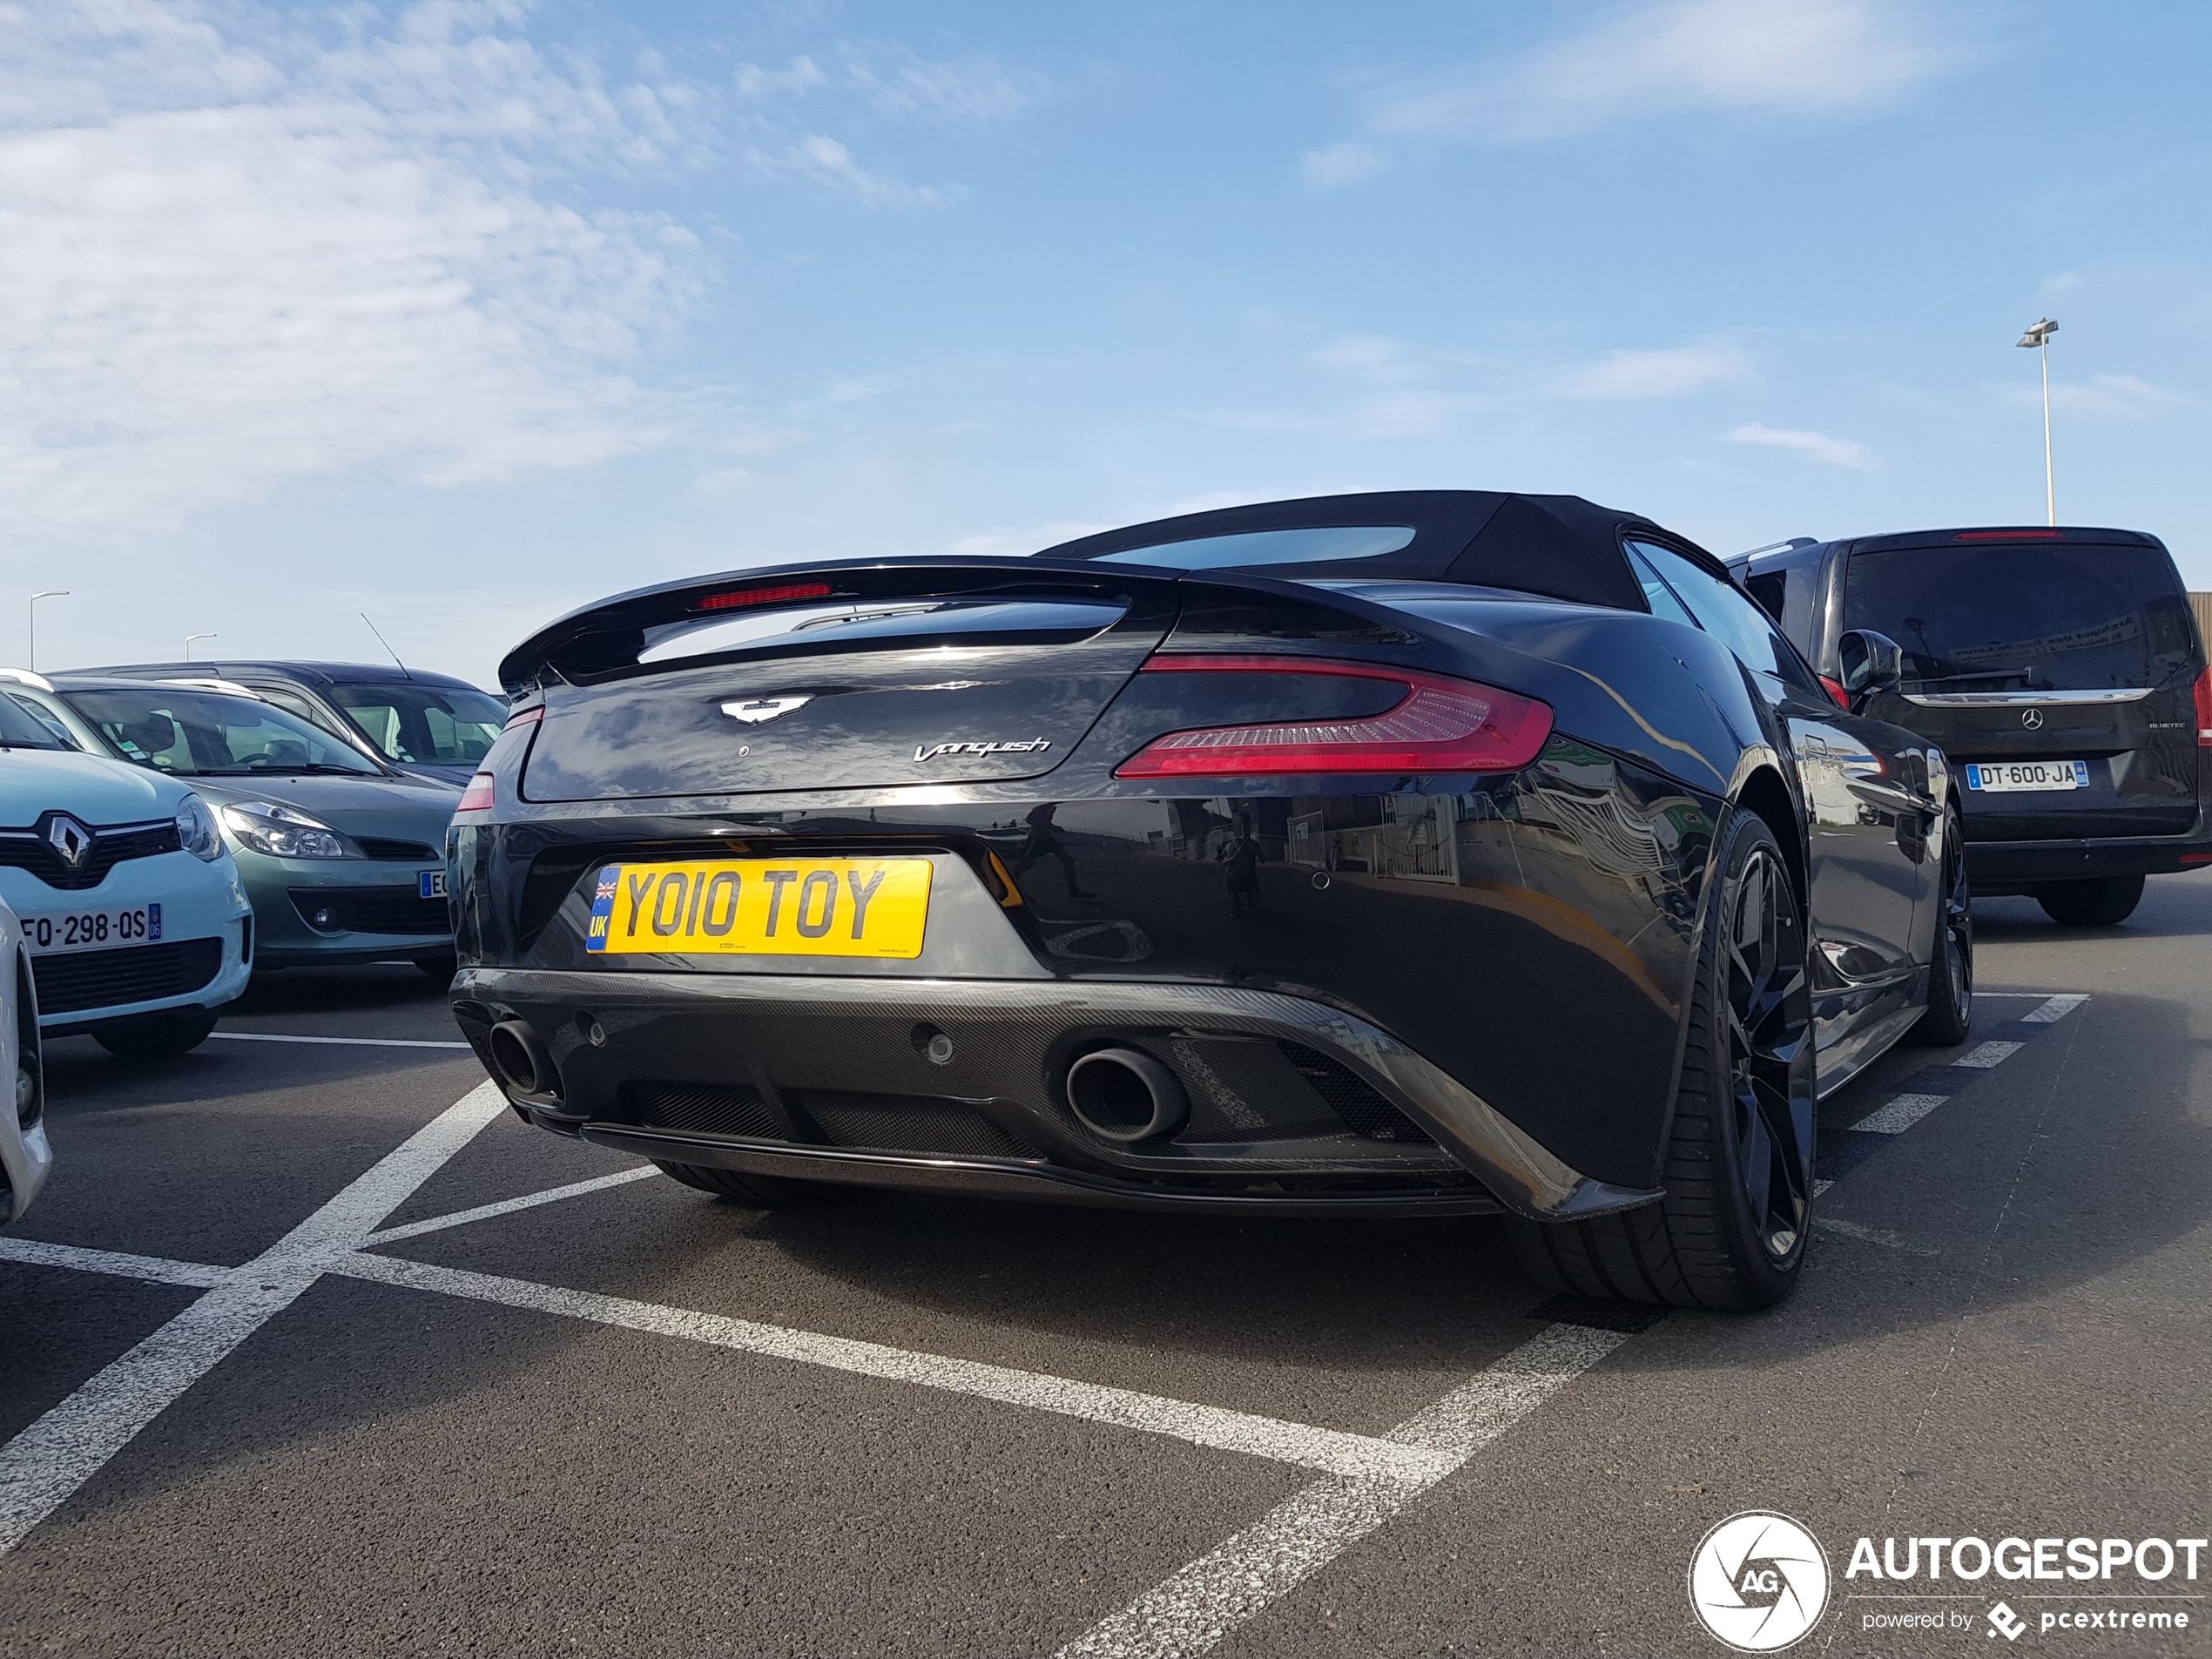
[[1440, 725], [530, 716], [739, 597], [2010, 536], [480, 796], [1836, 690], [2204, 709]]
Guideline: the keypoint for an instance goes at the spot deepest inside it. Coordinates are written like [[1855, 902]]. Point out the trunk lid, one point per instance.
[[835, 679]]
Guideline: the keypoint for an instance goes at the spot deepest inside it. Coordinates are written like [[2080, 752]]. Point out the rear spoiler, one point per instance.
[[605, 638]]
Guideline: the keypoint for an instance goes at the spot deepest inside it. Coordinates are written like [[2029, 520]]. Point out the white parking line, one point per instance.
[[336, 1042], [155, 1270], [1897, 1113], [1360, 1456], [2057, 1009], [1195, 1608], [1985, 1056], [66, 1446], [509, 1206]]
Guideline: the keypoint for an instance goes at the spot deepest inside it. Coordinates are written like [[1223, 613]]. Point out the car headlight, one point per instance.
[[282, 832], [196, 831]]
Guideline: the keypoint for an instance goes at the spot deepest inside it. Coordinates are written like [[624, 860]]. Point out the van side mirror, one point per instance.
[[1871, 663]]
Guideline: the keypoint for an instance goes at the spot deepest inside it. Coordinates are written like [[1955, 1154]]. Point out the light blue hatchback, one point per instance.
[[137, 925]]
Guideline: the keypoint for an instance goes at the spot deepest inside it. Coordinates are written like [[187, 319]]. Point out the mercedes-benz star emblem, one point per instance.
[[2032, 718], [754, 711], [70, 838]]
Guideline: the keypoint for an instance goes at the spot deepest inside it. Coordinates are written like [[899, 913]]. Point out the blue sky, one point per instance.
[[461, 314]]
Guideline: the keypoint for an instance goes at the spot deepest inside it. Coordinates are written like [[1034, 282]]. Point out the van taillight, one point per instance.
[[1836, 690], [1441, 723], [2204, 709], [480, 796]]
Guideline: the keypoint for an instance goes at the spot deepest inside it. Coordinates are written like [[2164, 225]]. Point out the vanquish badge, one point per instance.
[[1759, 1582], [930, 751], [754, 711]]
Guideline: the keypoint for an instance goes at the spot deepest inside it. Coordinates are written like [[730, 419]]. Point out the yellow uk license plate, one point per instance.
[[762, 907]]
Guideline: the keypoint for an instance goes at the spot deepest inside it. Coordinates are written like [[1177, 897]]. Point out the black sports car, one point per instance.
[[1442, 850]]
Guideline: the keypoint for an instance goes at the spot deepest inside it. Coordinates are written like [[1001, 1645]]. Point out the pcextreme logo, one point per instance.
[[1758, 1582]]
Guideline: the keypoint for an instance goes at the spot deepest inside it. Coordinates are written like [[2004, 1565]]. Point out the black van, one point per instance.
[[2061, 672]]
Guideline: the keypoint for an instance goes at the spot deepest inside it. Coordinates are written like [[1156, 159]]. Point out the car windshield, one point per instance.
[[207, 734], [424, 724], [1315, 546], [2018, 617], [24, 725]]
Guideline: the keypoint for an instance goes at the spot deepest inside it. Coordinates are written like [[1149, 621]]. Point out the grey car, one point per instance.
[[342, 855], [431, 724]]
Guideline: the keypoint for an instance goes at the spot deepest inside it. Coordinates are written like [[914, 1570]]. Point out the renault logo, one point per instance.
[[758, 710], [2033, 719], [70, 838]]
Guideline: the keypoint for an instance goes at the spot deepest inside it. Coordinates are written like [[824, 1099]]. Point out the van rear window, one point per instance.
[[2023, 618]]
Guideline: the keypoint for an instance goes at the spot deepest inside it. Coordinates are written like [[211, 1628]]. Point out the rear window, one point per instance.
[[1319, 545], [2020, 617]]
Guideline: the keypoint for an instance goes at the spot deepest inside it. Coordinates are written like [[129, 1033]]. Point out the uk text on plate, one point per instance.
[[762, 907]]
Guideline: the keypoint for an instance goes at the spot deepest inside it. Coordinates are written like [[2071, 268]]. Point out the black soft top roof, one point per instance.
[[1562, 546]]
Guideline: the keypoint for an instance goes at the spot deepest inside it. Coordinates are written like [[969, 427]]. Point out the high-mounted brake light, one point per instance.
[[739, 597], [2204, 709], [1441, 723], [480, 796], [2010, 536]]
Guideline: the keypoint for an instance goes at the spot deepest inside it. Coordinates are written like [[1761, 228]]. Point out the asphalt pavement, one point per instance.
[[297, 1356]]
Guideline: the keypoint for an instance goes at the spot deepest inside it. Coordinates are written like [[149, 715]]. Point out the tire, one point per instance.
[[2101, 901], [1951, 967], [1730, 1232], [156, 1036], [760, 1191]]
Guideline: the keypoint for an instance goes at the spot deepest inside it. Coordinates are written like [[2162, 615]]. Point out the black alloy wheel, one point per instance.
[[1731, 1231], [1951, 965]]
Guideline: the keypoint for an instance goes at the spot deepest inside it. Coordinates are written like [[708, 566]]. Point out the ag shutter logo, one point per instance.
[[1758, 1582]]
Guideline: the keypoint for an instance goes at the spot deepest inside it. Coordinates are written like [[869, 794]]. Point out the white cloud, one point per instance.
[[225, 262], [1816, 446], [826, 161], [1665, 372], [1372, 358], [1783, 58], [1342, 164]]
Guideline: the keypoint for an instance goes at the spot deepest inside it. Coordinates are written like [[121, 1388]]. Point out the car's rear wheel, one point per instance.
[[1730, 1233], [2100, 901], [761, 1192], [1951, 968], [156, 1036]]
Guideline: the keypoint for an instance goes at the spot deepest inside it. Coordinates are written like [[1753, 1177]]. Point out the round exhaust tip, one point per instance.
[[1124, 1095], [522, 1062]]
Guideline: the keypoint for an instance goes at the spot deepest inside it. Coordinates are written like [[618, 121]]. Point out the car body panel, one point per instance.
[[26, 1154], [1528, 936]]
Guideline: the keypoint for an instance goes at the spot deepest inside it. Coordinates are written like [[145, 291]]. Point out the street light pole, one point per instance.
[[2039, 338], [50, 593], [189, 637]]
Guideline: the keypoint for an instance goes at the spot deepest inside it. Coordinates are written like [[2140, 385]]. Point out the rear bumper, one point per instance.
[[1998, 867], [811, 1049]]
